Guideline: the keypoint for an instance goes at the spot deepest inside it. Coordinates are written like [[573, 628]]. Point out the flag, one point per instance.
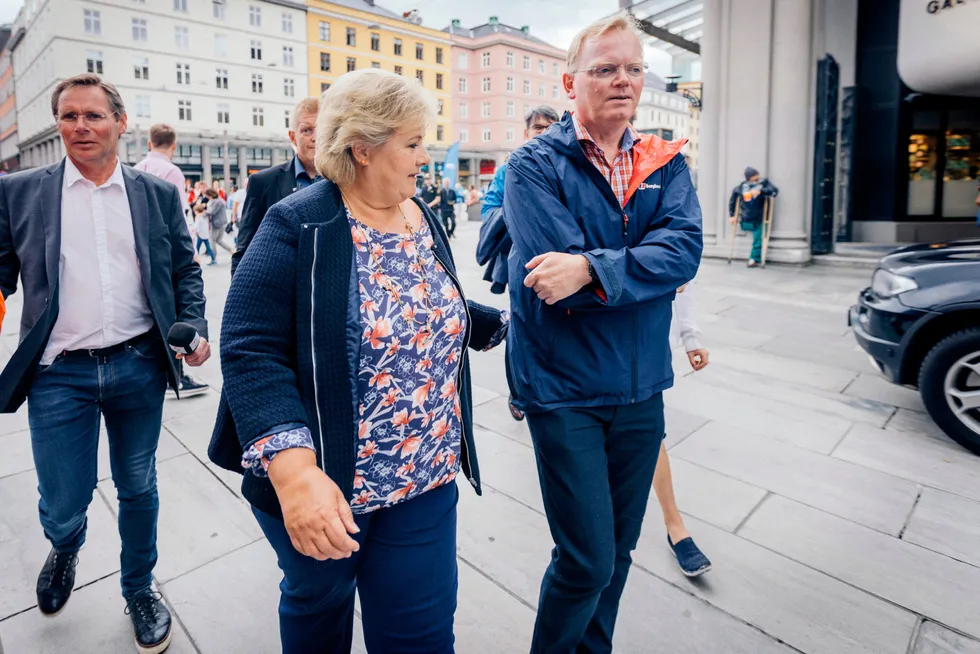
[[450, 168]]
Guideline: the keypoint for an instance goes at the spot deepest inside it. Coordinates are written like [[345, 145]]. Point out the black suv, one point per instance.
[[920, 322]]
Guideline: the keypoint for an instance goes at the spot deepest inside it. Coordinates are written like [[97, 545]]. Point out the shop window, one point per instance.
[[962, 164]]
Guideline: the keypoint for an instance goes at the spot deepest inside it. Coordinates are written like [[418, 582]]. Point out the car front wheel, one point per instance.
[[949, 382]]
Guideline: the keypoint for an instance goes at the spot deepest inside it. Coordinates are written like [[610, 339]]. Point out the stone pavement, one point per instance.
[[839, 519]]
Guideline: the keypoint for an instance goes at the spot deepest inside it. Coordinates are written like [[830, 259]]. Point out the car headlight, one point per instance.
[[887, 284]]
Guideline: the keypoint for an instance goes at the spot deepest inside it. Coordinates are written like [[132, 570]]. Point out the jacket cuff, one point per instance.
[[500, 335], [260, 454]]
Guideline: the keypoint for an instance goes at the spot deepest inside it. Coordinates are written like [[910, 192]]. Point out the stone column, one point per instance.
[[790, 129], [242, 165], [275, 156], [710, 191], [206, 162], [226, 158]]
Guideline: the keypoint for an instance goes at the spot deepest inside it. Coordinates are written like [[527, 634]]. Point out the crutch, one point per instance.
[[735, 227], [766, 229]]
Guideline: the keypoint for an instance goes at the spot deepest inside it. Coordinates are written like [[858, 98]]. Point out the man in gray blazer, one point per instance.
[[106, 266]]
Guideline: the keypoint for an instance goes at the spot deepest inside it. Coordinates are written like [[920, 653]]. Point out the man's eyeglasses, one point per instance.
[[92, 118], [605, 71]]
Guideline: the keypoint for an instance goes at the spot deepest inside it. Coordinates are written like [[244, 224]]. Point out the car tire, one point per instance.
[[932, 384]]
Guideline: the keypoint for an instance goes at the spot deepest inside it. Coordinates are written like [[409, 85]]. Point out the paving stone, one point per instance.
[[840, 354], [915, 422], [489, 371], [17, 453], [200, 520], [722, 334], [929, 461], [802, 607], [495, 416], [509, 467], [199, 404], [168, 448], [868, 497], [239, 626], [815, 375], [14, 422], [193, 430], [231, 480], [930, 584], [23, 547], [946, 523], [707, 495], [489, 619], [482, 395], [871, 386], [93, 621], [936, 639]]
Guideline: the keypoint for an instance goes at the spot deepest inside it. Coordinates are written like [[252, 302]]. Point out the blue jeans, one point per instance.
[[595, 466], [66, 404], [405, 574], [207, 247]]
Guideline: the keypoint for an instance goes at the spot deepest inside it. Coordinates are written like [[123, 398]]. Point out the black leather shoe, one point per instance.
[[151, 621], [56, 581]]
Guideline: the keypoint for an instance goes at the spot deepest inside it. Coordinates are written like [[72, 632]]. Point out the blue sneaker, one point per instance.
[[692, 561]]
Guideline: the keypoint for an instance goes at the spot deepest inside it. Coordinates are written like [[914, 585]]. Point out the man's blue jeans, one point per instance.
[[66, 403], [595, 466]]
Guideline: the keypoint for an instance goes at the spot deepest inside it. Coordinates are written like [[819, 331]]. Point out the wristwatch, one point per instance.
[[592, 274]]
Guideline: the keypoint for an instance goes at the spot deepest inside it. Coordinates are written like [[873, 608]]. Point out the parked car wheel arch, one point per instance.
[[924, 337]]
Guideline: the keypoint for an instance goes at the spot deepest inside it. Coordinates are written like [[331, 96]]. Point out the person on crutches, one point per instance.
[[750, 206]]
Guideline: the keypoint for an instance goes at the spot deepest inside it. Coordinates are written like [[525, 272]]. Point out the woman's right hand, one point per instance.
[[315, 512]]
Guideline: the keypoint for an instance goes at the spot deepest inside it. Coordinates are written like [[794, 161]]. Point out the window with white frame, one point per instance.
[[93, 22], [141, 68], [484, 109], [398, 70], [464, 110], [541, 90], [440, 133], [462, 85], [419, 51], [439, 81], [420, 76], [541, 66], [375, 42], [257, 50], [224, 113], [555, 70], [439, 107], [325, 62], [220, 45], [182, 38], [143, 108], [257, 83], [485, 60], [351, 64], [184, 74], [527, 62], [375, 64], [219, 9], [287, 118], [93, 61], [486, 134], [287, 56], [463, 60], [510, 58], [287, 23], [510, 134], [258, 117], [554, 91], [221, 78], [289, 87], [510, 108], [324, 30], [527, 87], [352, 37], [397, 47], [510, 83], [485, 85], [180, 5], [183, 110], [139, 29], [464, 135], [255, 16]]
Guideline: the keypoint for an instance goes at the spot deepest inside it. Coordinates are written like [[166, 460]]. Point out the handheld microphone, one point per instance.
[[183, 338]]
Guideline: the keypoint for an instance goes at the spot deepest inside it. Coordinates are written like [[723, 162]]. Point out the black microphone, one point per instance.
[[183, 338]]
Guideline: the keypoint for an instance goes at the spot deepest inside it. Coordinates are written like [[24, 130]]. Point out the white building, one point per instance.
[[665, 114], [225, 74]]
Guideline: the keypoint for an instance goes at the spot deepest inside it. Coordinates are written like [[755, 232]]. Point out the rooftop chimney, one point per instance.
[[493, 20], [525, 29]]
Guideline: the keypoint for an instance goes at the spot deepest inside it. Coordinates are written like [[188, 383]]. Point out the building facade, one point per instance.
[[499, 74], [9, 160], [346, 35], [225, 74]]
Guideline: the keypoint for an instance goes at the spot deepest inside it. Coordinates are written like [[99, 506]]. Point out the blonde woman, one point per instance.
[[346, 392]]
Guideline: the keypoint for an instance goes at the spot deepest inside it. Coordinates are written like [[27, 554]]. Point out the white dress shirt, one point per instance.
[[101, 297]]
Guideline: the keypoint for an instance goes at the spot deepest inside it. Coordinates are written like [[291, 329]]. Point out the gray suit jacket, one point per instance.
[[30, 246]]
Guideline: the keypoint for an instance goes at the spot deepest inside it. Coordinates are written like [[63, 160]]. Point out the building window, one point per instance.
[[221, 78], [398, 47], [352, 37], [258, 117], [141, 68], [257, 50], [325, 62], [289, 87], [420, 76], [224, 113], [439, 81], [220, 45], [555, 69], [510, 135], [510, 84], [419, 51], [182, 38], [439, 107], [440, 133], [527, 87], [464, 136], [287, 55], [143, 106], [375, 42], [462, 85], [485, 60], [219, 9], [510, 108], [255, 16], [485, 109], [324, 31], [463, 60], [287, 23], [257, 83], [485, 85], [184, 74], [93, 61], [541, 90], [93, 22], [351, 64], [541, 66], [324, 86], [554, 91], [527, 63], [180, 5], [486, 135], [183, 109], [510, 58], [438, 55], [375, 64], [139, 29], [398, 70], [463, 110], [287, 118]]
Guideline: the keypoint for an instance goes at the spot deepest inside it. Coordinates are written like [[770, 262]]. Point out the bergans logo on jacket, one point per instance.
[[608, 347]]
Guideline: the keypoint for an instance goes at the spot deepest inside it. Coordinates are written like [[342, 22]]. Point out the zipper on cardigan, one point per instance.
[[316, 388]]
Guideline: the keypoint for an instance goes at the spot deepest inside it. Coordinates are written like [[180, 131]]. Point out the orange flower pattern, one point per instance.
[[409, 428]]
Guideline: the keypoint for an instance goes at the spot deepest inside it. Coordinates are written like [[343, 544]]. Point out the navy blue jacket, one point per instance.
[[291, 337], [605, 347]]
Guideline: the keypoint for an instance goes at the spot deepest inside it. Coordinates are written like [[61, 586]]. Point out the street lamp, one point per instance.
[[692, 97]]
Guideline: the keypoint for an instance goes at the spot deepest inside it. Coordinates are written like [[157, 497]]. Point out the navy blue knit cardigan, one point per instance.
[[290, 336]]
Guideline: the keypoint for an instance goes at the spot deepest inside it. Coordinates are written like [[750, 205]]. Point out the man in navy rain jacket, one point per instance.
[[605, 226]]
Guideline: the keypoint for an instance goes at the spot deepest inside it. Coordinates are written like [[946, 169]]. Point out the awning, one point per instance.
[[675, 26]]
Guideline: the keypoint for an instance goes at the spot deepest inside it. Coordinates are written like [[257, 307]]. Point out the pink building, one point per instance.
[[499, 73]]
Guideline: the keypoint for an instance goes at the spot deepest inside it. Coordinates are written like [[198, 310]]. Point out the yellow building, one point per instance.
[[350, 35]]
